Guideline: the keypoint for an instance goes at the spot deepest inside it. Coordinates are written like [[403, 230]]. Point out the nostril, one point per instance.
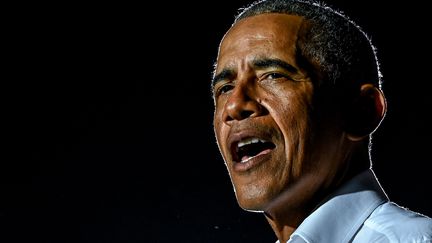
[[245, 114], [239, 115], [240, 106]]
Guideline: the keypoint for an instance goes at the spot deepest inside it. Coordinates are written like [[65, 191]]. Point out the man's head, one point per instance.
[[296, 90]]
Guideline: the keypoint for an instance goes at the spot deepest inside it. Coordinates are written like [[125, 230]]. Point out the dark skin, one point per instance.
[[263, 96]]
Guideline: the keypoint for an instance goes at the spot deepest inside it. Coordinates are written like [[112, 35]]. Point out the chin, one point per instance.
[[251, 202], [251, 205]]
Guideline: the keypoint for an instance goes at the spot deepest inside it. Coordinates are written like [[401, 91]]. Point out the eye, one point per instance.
[[274, 76], [224, 89]]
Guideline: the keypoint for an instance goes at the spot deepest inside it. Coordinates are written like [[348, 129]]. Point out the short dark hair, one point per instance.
[[342, 50]]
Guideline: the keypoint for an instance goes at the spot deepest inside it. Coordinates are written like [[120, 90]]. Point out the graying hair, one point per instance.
[[342, 50]]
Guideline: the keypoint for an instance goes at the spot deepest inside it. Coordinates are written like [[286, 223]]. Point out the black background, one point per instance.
[[107, 121]]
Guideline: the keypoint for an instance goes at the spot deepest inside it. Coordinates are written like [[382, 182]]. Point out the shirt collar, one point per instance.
[[340, 216]]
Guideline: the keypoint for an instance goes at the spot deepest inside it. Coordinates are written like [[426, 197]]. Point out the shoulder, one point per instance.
[[399, 224]]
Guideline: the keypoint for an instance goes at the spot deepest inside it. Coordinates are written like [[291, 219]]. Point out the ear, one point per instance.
[[366, 112]]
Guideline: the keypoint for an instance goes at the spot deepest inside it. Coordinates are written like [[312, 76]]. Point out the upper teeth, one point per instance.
[[250, 141]]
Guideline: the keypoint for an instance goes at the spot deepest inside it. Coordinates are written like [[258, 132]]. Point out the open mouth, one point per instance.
[[248, 148]]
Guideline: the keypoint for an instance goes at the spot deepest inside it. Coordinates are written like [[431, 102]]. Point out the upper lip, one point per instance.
[[236, 136]]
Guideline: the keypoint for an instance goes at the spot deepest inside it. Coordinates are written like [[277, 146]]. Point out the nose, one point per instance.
[[242, 104]]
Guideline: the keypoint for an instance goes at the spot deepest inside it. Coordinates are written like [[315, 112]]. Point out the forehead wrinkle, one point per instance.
[[240, 59], [292, 28], [238, 65]]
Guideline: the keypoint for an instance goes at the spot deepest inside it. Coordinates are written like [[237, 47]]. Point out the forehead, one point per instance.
[[270, 35]]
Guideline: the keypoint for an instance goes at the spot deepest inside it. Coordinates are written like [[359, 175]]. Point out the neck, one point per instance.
[[286, 212], [283, 232]]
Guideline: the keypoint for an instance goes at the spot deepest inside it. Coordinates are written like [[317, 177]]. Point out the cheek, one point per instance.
[[292, 114], [219, 127], [291, 102]]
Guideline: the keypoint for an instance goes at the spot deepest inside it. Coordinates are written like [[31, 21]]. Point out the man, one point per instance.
[[297, 93]]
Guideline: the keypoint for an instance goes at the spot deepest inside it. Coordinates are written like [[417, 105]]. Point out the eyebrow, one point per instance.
[[262, 63], [224, 74], [273, 62]]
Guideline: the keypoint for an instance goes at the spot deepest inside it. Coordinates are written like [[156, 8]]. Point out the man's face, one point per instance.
[[264, 122]]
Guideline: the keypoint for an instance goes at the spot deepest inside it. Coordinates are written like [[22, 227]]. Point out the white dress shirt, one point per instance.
[[360, 212]]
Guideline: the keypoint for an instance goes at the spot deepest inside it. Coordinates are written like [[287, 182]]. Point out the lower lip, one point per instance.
[[252, 162]]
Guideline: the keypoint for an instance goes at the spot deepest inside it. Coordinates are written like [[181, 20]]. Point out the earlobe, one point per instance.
[[366, 112]]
